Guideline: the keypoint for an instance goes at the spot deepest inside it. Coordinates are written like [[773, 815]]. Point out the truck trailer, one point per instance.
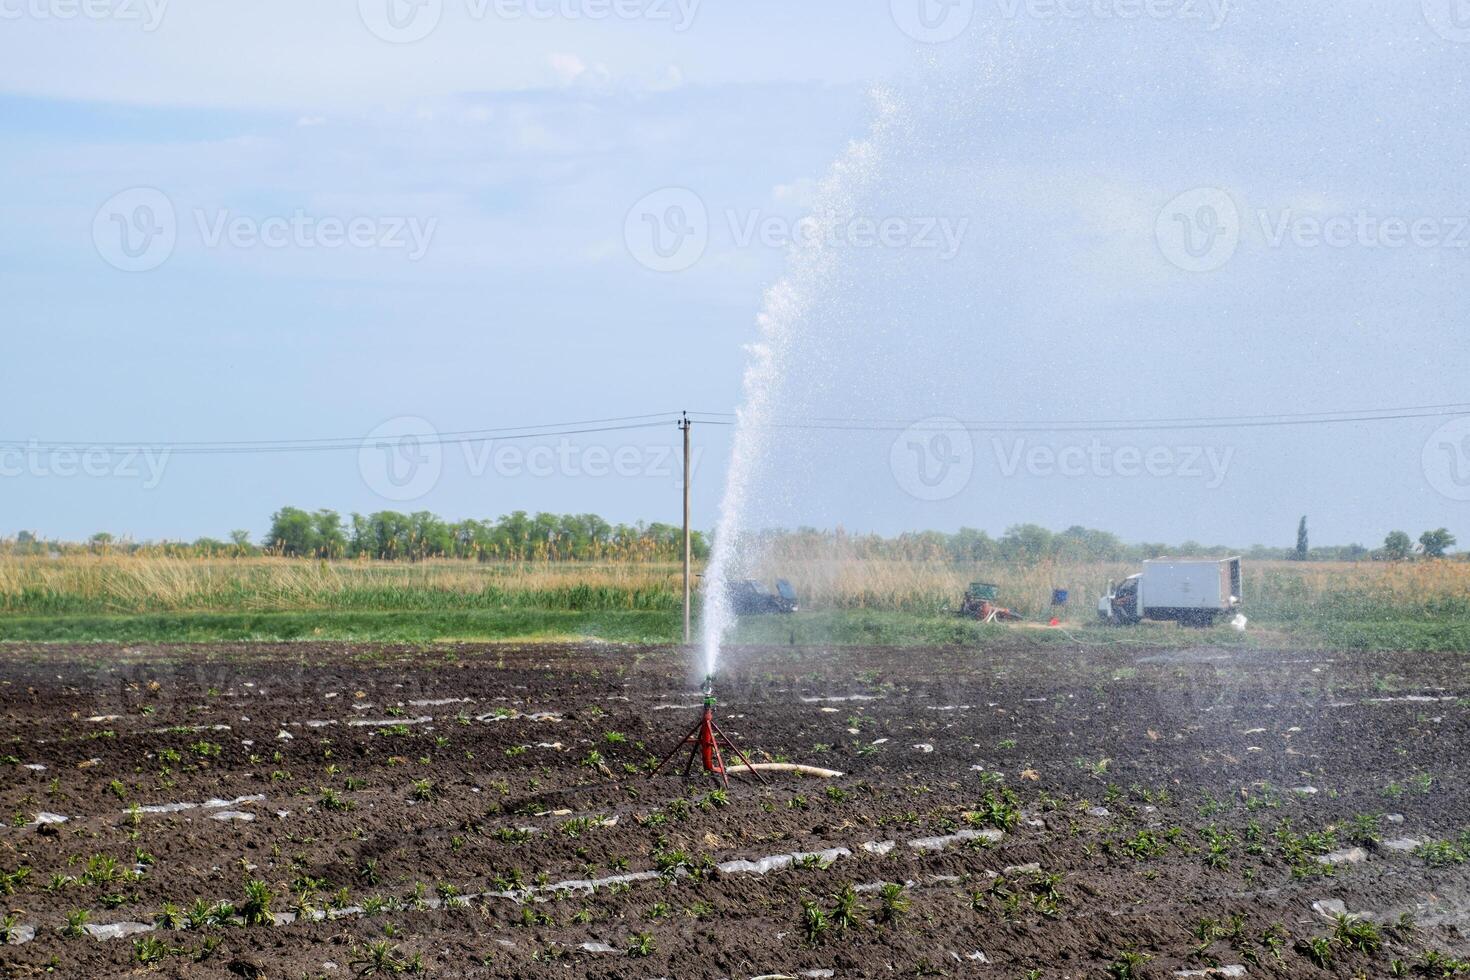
[[1191, 591]]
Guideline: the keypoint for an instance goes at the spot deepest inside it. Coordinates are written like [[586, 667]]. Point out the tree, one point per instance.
[[429, 536], [1301, 539], [1026, 542], [969, 544], [1079, 543], [1397, 546], [331, 541], [1434, 543], [293, 532]]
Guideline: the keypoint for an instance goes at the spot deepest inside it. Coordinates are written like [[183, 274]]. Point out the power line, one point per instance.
[[340, 442], [285, 446], [1185, 418], [1112, 425], [625, 423], [993, 427]]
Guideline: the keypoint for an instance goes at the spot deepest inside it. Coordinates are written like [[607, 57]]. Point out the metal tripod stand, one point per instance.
[[704, 741]]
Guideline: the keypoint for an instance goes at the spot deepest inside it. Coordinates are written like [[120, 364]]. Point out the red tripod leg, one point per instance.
[[693, 734], [694, 743], [720, 761], [741, 755], [707, 745]]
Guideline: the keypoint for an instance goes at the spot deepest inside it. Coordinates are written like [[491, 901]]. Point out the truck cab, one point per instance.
[[1120, 605]]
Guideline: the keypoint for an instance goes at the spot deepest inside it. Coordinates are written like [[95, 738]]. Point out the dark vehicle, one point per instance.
[[749, 598], [979, 603]]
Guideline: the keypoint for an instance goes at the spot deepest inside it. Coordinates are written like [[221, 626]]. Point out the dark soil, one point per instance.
[[1154, 805]]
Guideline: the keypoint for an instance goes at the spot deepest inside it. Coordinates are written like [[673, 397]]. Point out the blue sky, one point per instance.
[[497, 165]]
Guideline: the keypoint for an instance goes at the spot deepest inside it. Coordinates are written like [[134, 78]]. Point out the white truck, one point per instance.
[[1191, 591]]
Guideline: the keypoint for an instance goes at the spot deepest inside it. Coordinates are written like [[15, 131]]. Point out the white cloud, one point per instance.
[[671, 78], [567, 67]]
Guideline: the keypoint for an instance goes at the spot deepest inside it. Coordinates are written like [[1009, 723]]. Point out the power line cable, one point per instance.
[[625, 423], [462, 435], [222, 449], [1113, 425], [1184, 418]]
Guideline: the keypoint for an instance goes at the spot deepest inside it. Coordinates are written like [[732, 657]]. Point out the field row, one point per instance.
[[487, 812]]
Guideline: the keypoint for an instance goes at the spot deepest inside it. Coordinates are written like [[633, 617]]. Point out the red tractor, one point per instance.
[[979, 603]]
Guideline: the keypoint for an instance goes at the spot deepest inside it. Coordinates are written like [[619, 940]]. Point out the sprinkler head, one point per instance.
[[709, 689]]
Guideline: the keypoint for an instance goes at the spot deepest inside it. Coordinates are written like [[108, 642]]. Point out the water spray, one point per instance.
[[788, 315], [704, 741]]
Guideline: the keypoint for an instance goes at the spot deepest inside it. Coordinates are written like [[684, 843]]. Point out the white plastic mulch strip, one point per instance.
[[960, 837], [206, 805], [167, 807], [20, 935], [777, 862], [761, 866], [512, 715], [389, 722], [117, 930], [228, 810]]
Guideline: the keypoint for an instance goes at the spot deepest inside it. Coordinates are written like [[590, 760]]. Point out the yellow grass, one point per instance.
[[150, 583], [127, 583]]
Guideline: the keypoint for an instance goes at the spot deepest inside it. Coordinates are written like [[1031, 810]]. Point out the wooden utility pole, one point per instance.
[[684, 424]]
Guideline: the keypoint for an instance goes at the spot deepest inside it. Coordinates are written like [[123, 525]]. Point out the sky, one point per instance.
[[378, 222]]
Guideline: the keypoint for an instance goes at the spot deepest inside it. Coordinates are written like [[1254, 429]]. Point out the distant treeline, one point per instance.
[[1034, 543], [515, 537], [390, 535], [519, 536]]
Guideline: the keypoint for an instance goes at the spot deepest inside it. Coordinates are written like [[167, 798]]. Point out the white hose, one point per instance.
[[791, 767]]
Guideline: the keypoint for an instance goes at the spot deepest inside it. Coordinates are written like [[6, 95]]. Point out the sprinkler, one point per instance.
[[704, 740]]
